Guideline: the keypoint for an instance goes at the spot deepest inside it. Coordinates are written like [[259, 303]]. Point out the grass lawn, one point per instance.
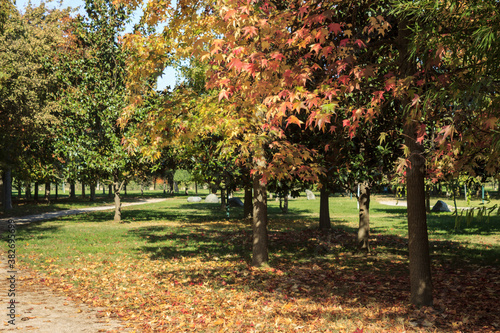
[[183, 267]]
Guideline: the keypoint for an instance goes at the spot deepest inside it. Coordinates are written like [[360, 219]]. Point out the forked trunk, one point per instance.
[[324, 209], [364, 217], [260, 251]]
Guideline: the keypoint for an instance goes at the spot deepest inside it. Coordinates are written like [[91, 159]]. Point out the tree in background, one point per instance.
[[28, 110], [94, 70]]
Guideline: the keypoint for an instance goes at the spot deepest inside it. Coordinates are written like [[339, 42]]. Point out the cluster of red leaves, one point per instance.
[[344, 293]]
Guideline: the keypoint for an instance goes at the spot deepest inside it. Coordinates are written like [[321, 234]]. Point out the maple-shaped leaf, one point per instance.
[[293, 120], [316, 47], [335, 28]]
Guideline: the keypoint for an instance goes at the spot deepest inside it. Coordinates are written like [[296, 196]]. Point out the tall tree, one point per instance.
[[95, 70], [28, 44]]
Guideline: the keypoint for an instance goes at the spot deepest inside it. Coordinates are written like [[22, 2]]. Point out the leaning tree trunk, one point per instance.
[[324, 209], [260, 251], [364, 217], [7, 189], [248, 205], [418, 243]]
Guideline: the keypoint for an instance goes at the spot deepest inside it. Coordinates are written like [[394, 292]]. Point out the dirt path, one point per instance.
[[52, 215], [41, 309]]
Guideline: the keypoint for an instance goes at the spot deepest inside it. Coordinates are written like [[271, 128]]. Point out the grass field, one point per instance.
[[183, 267]]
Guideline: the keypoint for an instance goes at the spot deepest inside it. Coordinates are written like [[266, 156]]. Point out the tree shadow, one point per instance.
[[319, 267]]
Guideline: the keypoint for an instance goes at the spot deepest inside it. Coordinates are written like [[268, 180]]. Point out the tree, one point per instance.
[[28, 45], [94, 69]]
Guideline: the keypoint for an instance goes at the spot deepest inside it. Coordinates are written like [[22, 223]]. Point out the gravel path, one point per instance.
[[41, 309]]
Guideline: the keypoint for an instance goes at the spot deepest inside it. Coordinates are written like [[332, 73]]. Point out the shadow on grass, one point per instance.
[[320, 267]]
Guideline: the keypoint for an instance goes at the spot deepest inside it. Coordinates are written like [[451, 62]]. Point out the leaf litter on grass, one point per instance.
[[315, 284]]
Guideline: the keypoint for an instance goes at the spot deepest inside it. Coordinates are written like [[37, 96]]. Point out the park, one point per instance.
[[317, 167]]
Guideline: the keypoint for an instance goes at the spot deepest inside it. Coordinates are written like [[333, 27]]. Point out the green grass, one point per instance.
[[203, 258]]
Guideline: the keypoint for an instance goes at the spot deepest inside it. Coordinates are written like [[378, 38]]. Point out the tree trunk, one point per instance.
[[72, 190], [83, 190], [110, 191], [260, 251], [222, 199], [196, 187], [427, 199], [7, 189], [35, 195], [57, 191], [92, 191], [285, 204], [19, 189], [248, 205], [47, 191], [364, 217], [27, 193], [170, 178], [324, 209], [420, 271], [117, 187]]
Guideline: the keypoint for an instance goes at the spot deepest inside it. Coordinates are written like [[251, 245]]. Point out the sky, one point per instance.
[[168, 77]]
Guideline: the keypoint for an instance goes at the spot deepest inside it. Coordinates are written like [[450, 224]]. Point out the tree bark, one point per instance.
[[47, 191], [72, 190], [7, 189], [19, 189], [364, 217], [92, 191], [83, 190], [27, 193], [324, 209], [117, 187], [110, 191], [222, 198], [418, 245], [260, 250], [248, 205], [57, 191], [35, 195]]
